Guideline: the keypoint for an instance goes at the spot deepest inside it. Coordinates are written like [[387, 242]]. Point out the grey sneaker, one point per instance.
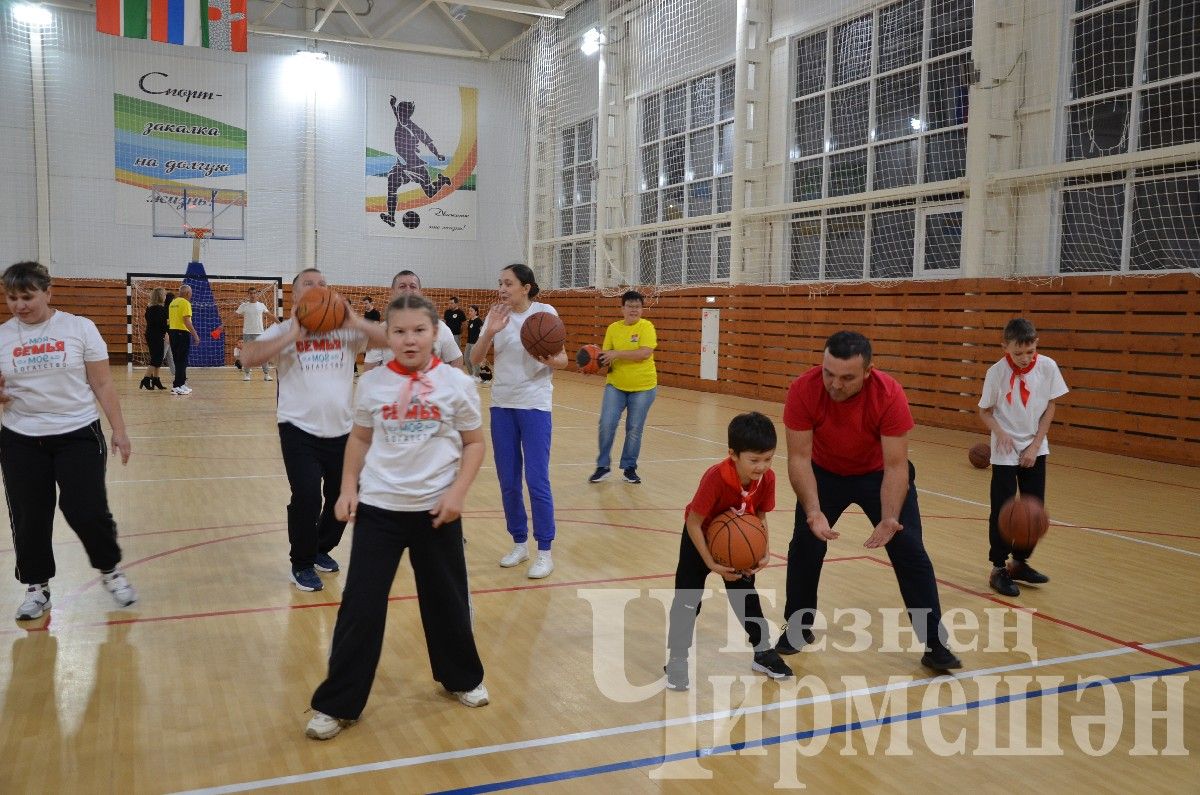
[[325, 727], [37, 602], [677, 673], [122, 592]]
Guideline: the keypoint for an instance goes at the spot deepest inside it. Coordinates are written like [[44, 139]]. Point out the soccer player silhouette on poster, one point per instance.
[[409, 166]]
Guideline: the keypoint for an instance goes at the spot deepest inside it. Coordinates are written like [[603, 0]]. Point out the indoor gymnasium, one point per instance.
[[393, 381]]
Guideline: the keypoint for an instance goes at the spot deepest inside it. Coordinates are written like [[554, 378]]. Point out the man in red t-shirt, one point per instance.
[[847, 438]]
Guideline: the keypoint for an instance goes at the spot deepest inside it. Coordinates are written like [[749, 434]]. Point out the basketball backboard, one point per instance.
[[177, 210]]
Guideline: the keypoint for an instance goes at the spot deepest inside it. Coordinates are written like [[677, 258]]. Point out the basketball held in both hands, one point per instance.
[[320, 309], [980, 455], [543, 334], [1023, 521], [737, 541], [588, 359]]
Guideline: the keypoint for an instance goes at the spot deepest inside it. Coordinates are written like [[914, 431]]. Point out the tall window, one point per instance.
[[575, 265], [880, 101], [1132, 85], [577, 178], [685, 155], [686, 149]]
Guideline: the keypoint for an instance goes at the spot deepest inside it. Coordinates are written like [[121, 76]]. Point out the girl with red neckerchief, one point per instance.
[[416, 446]]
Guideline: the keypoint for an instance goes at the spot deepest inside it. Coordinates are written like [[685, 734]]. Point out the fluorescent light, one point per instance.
[[312, 55], [591, 42], [35, 16], [914, 123]]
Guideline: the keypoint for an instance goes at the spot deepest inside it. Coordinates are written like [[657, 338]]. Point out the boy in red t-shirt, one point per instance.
[[744, 482]]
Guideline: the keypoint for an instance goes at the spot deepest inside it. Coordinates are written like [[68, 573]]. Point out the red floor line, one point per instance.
[[71, 595], [1046, 617], [121, 536], [401, 598]]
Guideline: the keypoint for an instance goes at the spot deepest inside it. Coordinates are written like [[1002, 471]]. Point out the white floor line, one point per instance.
[[562, 739]]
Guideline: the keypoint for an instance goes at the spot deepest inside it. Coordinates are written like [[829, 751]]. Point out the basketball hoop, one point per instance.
[[198, 233]]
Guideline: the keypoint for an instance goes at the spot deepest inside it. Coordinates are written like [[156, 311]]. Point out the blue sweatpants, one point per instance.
[[521, 446]]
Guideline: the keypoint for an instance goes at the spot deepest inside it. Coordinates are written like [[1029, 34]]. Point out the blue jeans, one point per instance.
[[521, 446], [616, 401]]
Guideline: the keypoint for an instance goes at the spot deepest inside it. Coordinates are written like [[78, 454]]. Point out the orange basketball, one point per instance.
[[320, 309], [1023, 521], [738, 542], [588, 359], [543, 334], [980, 455]]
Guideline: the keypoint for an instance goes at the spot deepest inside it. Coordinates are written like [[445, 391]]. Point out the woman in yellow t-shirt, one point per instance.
[[628, 352]]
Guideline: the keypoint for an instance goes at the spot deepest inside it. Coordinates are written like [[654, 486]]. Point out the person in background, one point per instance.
[[182, 333], [156, 338], [252, 311]]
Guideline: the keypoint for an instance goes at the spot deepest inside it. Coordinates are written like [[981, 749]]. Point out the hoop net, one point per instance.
[[198, 233]]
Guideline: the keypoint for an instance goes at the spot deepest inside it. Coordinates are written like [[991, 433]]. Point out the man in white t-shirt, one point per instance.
[[252, 311], [445, 347], [315, 415]]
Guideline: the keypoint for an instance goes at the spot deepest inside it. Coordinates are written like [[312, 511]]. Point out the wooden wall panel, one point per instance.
[[1129, 347]]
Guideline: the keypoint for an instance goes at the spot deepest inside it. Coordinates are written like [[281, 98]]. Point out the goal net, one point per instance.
[[215, 300]]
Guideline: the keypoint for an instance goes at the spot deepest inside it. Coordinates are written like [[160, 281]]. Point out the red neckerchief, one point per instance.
[[418, 379], [1019, 374], [730, 475]]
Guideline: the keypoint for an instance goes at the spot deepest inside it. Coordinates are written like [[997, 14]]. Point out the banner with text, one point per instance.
[[180, 122], [422, 147]]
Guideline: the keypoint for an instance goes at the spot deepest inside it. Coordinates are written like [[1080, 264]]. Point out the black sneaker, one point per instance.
[[941, 659], [631, 475], [600, 474], [677, 673], [784, 644], [1002, 583], [1020, 570], [770, 663]]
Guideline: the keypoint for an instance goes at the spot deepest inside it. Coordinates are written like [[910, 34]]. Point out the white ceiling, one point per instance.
[[465, 28]]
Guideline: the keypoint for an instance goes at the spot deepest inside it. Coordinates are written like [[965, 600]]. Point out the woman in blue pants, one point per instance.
[[522, 396]]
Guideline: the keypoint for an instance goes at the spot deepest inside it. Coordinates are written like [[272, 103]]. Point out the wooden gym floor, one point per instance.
[[203, 685]]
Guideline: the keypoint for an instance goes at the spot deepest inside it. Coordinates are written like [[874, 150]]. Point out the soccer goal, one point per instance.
[[215, 300]]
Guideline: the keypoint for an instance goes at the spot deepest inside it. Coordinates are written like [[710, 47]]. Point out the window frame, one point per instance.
[[1131, 179]]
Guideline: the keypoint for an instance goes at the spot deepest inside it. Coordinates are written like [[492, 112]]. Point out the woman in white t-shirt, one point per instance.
[[522, 396], [416, 446], [53, 372]]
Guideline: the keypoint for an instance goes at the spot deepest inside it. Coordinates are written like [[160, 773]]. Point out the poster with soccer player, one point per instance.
[[422, 149]]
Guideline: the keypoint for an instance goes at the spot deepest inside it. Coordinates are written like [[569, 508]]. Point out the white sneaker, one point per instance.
[[177, 390], [122, 592], [37, 602], [474, 698], [325, 727], [519, 554], [267, 377], [246, 376], [187, 390], [542, 566]]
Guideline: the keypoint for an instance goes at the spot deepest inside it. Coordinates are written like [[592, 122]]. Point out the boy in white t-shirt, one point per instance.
[[1018, 406], [316, 385], [416, 446], [252, 311]]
